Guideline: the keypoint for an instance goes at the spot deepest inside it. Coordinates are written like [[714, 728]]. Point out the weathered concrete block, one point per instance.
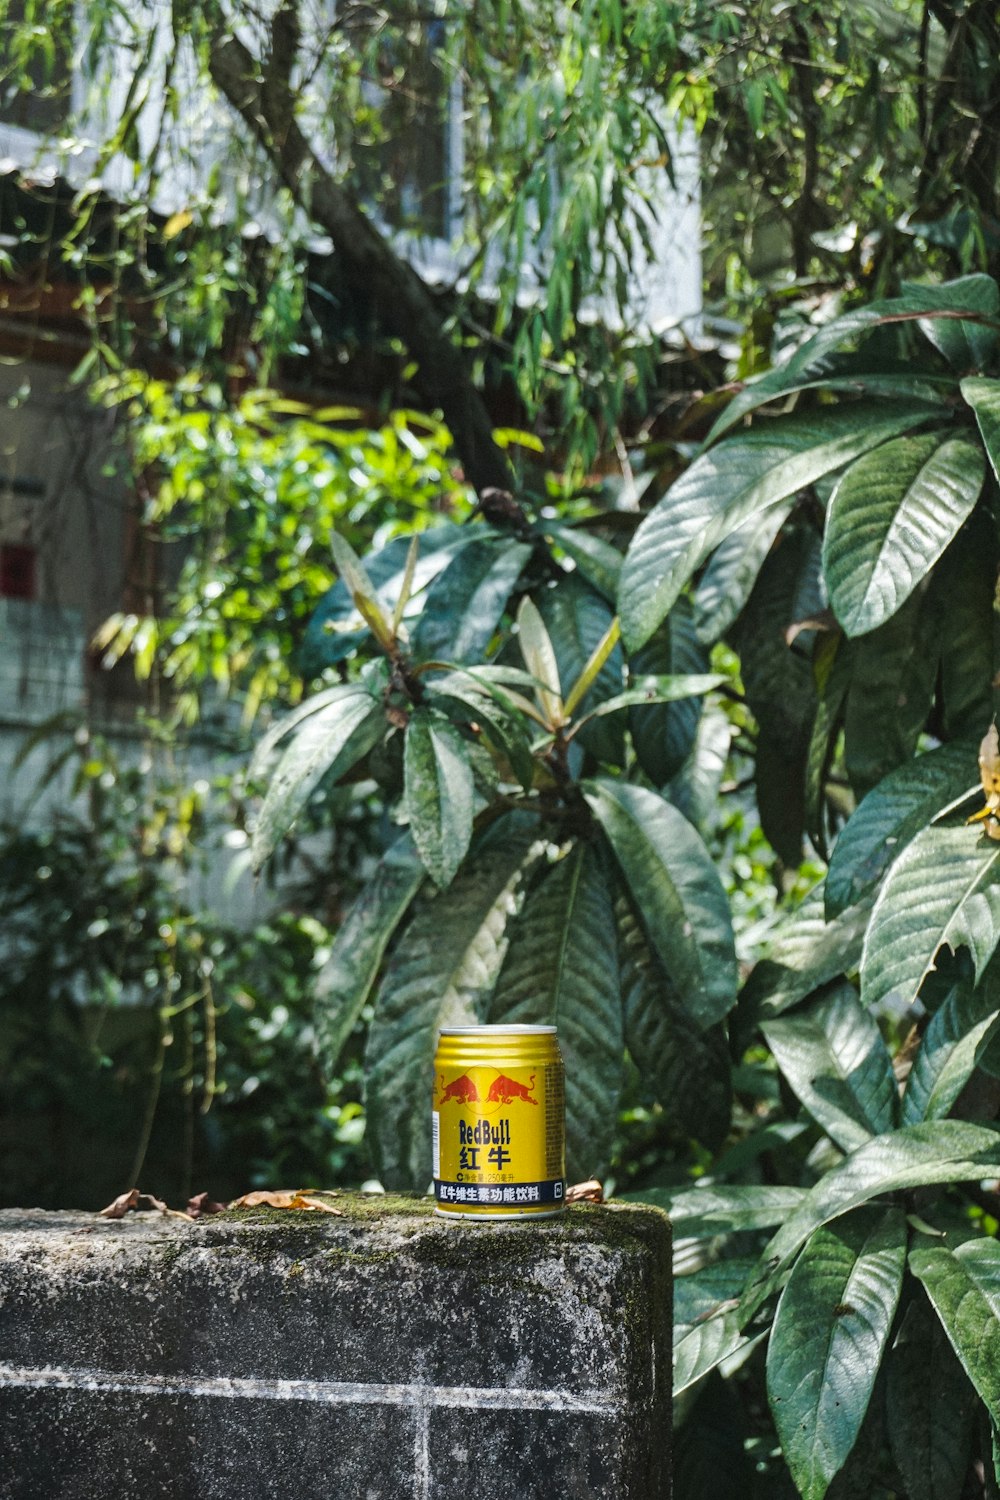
[[386, 1355]]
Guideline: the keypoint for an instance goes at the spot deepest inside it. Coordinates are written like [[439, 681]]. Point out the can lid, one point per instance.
[[497, 1031]]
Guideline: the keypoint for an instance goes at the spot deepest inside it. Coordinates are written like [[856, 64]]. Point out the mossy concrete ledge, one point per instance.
[[382, 1355]]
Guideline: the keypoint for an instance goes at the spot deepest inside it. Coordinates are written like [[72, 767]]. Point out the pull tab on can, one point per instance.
[[498, 1119]]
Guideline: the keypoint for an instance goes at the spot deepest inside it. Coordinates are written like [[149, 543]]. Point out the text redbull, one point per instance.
[[498, 1123]]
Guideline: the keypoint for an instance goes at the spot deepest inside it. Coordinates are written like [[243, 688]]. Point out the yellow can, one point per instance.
[[499, 1123]]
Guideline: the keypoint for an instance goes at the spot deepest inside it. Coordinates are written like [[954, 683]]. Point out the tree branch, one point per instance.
[[263, 97]]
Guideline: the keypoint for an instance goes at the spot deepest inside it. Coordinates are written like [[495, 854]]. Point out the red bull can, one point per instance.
[[498, 1121]]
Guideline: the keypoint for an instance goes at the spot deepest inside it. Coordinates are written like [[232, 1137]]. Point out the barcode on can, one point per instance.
[[436, 1133]]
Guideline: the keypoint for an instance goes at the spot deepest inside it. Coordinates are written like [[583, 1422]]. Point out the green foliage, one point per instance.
[[142, 1040], [543, 837]]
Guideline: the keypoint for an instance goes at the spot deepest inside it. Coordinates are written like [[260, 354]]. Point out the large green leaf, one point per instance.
[[700, 1293], [832, 1054], [984, 398], [811, 363], [963, 1285], [695, 788], [577, 619], [685, 1068], [664, 734], [561, 969], [732, 571], [598, 561], [965, 344], [677, 891], [891, 815], [961, 598], [726, 486], [463, 697], [957, 1034], [325, 743], [944, 889], [914, 1156], [805, 952], [705, 1347], [893, 680], [722, 1208], [346, 979], [929, 1408], [464, 604], [441, 974], [438, 793], [830, 1332], [832, 664], [779, 684], [892, 515]]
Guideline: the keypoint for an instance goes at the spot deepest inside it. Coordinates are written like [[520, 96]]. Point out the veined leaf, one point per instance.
[[809, 364], [779, 682], [561, 969], [695, 788], [929, 1408], [466, 601], [346, 979], [722, 1208], [496, 715], [406, 586], [893, 680], [892, 814], [541, 661], [438, 793], [984, 397], [698, 1294], [722, 489], [892, 515], [677, 891], [830, 1332], [441, 974], [956, 1035], [686, 1069], [664, 734], [732, 572], [944, 889], [832, 663], [805, 952], [266, 752], [961, 599], [965, 345], [964, 1289], [833, 1056], [706, 1346], [328, 742], [598, 561], [645, 690], [914, 1156]]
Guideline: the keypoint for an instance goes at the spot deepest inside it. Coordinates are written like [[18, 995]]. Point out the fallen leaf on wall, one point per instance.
[[284, 1200]]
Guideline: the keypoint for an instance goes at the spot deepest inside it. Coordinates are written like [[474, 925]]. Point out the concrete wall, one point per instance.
[[384, 1355]]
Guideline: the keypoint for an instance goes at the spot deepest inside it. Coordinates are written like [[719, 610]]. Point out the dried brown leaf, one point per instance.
[[284, 1199], [133, 1199], [201, 1204], [585, 1192]]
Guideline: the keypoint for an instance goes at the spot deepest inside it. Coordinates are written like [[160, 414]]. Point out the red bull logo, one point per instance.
[[504, 1090], [462, 1089]]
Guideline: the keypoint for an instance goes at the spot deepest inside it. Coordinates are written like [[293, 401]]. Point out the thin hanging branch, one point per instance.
[[263, 96]]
